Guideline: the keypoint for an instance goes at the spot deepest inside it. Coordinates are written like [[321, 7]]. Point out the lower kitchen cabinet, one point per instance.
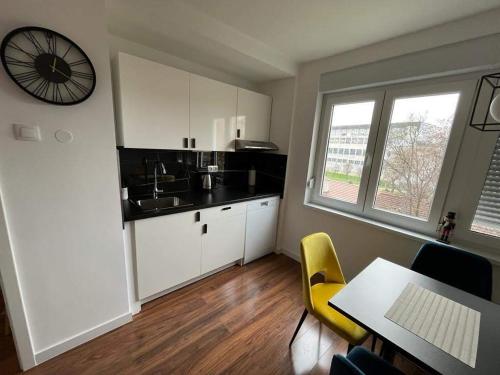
[[223, 239], [168, 252], [173, 249]]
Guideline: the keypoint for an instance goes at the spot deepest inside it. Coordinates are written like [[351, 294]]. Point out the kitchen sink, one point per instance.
[[160, 203]]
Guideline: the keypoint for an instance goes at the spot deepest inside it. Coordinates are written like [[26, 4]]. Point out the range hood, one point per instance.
[[245, 145]]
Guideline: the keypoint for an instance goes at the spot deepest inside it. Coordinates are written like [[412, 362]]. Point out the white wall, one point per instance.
[[357, 243], [117, 44], [61, 201], [9, 281], [283, 93]]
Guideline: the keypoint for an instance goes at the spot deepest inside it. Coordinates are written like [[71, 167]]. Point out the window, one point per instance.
[[399, 172], [341, 181], [419, 130], [487, 216]]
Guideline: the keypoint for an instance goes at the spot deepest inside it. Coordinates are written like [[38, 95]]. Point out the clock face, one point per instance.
[[47, 65]]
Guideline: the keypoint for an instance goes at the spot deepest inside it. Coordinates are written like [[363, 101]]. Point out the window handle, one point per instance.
[[204, 229], [197, 217], [185, 142], [238, 133], [193, 142], [226, 208]]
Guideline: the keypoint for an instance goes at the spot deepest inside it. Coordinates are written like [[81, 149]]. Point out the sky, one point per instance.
[[435, 108]]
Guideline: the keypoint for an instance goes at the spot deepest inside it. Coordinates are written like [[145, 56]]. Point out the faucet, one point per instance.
[[163, 171]]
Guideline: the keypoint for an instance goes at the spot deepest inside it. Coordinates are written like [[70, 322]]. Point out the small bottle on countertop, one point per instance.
[[252, 176]]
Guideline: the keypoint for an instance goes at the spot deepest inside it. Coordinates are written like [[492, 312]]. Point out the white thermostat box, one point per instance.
[[27, 133]]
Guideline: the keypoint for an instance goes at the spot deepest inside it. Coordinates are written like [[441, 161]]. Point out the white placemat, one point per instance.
[[444, 323]]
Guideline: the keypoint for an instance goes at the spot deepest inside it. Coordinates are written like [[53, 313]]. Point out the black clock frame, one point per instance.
[[9, 36]]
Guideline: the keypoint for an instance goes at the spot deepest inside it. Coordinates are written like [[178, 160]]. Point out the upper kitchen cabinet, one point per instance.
[[212, 115], [253, 115], [152, 104], [160, 107]]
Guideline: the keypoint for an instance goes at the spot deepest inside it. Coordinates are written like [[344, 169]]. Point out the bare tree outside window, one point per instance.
[[413, 156], [347, 168]]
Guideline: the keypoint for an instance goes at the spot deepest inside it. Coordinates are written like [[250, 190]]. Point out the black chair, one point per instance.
[[360, 361], [461, 269]]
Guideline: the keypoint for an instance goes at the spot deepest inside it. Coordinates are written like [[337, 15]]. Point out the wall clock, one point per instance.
[[47, 65]]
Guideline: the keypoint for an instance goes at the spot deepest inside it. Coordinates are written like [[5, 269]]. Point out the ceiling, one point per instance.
[[266, 39]]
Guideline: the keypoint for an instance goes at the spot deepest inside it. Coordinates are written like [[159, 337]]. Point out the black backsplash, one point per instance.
[[185, 168]]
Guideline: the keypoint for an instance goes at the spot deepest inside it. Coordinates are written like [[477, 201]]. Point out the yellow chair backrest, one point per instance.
[[318, 255]]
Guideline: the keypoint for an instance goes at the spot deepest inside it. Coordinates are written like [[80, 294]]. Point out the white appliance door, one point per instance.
[[262, 222]]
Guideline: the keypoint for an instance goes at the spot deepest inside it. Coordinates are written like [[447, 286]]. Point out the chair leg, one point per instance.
[[374, 342], [350, 347], [387, 352], [302, 318]]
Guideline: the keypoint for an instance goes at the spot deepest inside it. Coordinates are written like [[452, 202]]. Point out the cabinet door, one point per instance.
[[253, 115], [212, 114], [224, 239], [262, 222], [168, 252], [153, 104]]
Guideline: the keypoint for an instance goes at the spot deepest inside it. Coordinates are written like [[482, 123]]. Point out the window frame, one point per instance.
[[466, 90], [384, 98], [329, 101]]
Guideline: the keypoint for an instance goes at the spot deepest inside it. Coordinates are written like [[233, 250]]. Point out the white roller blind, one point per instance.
[[487, 217]]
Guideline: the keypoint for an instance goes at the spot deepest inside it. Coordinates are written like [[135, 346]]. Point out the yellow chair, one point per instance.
[[318, 256]]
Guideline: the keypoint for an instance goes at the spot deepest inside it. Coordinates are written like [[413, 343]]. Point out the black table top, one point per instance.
[[370, 294], [199, 199]]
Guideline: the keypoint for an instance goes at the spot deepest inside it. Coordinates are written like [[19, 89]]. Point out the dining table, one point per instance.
[[367, 298]]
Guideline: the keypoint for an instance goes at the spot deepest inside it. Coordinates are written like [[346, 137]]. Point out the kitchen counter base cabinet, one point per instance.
[[168, 252], [223, 239], [176, 249]]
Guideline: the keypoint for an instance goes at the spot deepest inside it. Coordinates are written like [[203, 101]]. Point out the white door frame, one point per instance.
[[16, 311]]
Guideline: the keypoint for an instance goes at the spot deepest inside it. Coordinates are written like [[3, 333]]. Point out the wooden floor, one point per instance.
[[238, 321], [8, 359]]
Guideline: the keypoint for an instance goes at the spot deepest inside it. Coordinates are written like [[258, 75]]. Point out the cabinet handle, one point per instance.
[[197, 217], [238, 133], [264, 203], [185, 142], [193, 142], [226, 208], [204, 229]]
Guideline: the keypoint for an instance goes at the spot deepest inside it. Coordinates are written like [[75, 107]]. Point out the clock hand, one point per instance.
[[61, 73], [80, 87], [53, 66]]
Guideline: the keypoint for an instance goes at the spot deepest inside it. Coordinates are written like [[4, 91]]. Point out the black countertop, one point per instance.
[[200, 199]]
